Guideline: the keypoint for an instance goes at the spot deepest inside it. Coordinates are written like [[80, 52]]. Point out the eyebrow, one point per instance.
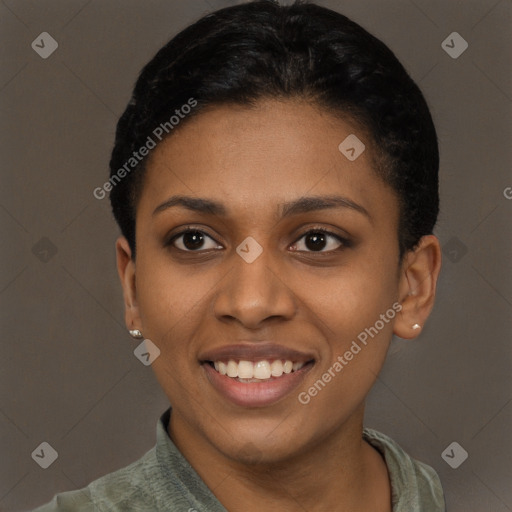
[[287, 209]]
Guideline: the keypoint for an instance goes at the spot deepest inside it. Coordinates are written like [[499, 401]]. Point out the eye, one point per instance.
[[318, 239], [192, 240], [315, 240]]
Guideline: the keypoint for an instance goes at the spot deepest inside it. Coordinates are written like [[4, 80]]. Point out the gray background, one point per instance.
[[68, 375]]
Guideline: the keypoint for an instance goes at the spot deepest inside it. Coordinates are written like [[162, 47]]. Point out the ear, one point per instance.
[[126, 270], [417, 286]]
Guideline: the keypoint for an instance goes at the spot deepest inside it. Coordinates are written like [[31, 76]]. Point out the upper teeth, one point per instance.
[[259, 370]]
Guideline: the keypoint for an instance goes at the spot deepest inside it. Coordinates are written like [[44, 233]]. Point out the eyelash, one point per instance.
[[345, 243]]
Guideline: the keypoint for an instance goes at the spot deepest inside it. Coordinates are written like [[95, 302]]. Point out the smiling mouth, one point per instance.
[[257, 371]]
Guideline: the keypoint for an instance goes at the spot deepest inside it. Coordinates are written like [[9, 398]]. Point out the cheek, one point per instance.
[[170, 302], [354, 298], [356, 315], [171, 305], [358, 328]]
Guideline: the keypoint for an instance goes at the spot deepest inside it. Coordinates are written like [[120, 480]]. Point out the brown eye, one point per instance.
[[192, 240], [317, 240]]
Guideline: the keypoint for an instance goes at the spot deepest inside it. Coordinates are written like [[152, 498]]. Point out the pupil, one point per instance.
[[318, 241], [192, 239]]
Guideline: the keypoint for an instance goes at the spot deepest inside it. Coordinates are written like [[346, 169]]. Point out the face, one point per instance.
[[259, 241]]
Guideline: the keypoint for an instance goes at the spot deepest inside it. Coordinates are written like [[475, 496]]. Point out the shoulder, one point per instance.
[[124, 489], [415, 486]]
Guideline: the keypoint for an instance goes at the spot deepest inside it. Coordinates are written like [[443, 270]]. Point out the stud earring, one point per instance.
[[416, 326], [135, 333]]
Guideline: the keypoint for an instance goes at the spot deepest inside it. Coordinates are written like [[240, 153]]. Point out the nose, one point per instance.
[[255, 293]]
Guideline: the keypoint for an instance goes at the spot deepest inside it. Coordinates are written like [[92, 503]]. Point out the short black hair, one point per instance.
[[260, 49]]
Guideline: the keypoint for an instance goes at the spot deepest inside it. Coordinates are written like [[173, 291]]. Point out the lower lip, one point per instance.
[[256, 394]]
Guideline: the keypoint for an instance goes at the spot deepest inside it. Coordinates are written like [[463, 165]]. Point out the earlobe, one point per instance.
[[126, 271], [417, 287]]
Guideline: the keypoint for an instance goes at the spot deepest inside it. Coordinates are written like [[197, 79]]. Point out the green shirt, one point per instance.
[[163, 480]]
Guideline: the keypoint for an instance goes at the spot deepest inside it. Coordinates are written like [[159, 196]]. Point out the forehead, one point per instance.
[[257, 158]]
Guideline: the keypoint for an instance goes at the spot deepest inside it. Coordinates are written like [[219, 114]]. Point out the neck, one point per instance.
[[341, 472]]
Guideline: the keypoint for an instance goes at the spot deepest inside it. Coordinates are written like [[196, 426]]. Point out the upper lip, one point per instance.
[[255, 352]]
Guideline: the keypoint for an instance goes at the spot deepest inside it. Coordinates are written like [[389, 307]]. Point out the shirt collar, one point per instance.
[[176, 472]]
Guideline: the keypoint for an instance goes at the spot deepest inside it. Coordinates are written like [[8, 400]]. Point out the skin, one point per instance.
[[286, 456]]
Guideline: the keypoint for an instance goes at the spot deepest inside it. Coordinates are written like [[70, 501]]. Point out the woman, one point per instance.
[[275, 180]]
